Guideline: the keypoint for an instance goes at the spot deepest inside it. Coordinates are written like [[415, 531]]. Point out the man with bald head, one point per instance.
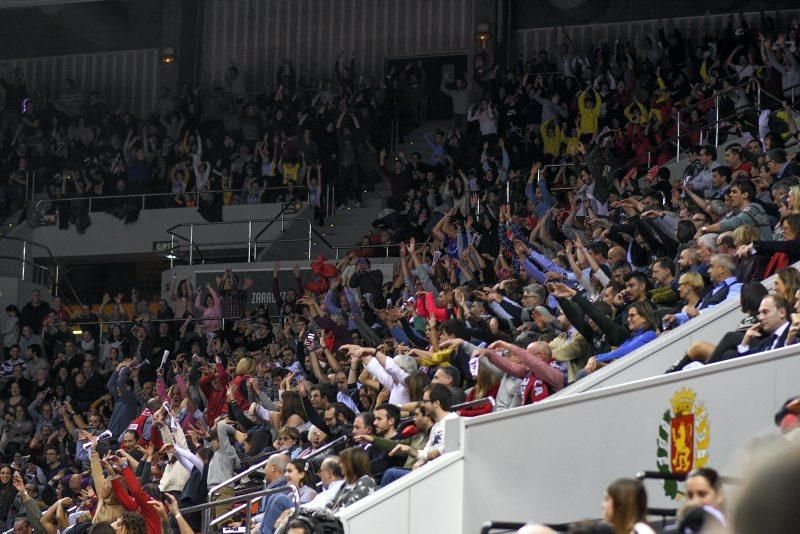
[[616, 253]]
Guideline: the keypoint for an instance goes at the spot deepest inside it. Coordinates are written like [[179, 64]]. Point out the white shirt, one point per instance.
[[392, 378], [437, 437], [325, 496]]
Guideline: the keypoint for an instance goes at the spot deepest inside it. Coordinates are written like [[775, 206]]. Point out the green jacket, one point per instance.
[[418, 442]]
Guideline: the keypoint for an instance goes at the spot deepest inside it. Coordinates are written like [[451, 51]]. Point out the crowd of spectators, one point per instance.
[[196, 149], [515, 278]]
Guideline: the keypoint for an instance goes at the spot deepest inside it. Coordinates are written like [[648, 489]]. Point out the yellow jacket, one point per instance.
[[589, 118], [552, 143], [437, 358]]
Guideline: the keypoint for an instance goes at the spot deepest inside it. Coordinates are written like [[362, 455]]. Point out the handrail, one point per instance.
[[239, 476], [143, 196], [207, 506], [25, 243], [476, 402], [340, 439], [280, 214], [32, 264], [386, 247], [713, 97], [207, 509], [322, 238], [680, 477], [779, 99], [193, 245]]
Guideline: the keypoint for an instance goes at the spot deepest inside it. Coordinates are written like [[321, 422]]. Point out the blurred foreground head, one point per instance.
[[768, 502]]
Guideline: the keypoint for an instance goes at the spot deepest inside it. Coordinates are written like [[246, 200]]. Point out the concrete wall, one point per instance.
[[109, 235]]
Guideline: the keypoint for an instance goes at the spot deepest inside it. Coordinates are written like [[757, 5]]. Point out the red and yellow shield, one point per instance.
[[681, 454]]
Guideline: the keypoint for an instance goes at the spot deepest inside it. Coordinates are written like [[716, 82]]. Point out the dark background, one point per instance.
[[80, 28], [548, 13], [439, 105]]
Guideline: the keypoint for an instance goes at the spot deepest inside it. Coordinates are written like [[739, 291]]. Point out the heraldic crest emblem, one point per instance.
[[683, 437]]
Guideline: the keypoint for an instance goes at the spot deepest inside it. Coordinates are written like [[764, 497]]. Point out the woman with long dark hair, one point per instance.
[[358, 482], [625, 507]]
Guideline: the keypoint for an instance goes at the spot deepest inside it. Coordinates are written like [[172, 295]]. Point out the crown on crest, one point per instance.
[[683, 401]]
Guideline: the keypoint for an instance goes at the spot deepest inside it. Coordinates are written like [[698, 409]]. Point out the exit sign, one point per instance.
[[162, 246]]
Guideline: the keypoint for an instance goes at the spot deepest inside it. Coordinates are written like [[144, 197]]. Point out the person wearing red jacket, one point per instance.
[[143, 425], [136, 499], [214, 387], [426, 306], [245, 368]]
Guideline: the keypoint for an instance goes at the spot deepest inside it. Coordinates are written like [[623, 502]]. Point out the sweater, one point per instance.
[[135, 499], [225, 461]]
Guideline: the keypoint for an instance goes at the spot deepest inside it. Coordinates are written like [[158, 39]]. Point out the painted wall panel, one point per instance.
[[260, 34], [530, 41], [126, 79]]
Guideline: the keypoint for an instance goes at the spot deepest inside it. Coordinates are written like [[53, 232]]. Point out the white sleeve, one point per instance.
[[397, 373], [375, 369], [187, 459]]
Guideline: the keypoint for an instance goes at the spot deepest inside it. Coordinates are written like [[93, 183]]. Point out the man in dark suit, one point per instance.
[[773, 323], [779, 165]]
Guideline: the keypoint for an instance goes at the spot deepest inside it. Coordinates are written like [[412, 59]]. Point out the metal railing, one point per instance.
[[714, 98], [338, 248], [782, 98], [34, 266], [251, 242], [275, 320], [206, 508], [249, 498], [24, 260], [144, 196]]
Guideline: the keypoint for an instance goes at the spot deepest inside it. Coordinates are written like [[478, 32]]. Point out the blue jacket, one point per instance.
[[631, 344]]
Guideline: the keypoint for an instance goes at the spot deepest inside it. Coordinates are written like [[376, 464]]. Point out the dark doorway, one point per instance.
[[435, 104]]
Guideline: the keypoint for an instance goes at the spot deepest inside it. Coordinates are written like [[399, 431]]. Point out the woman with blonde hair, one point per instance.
[[787, 282], [245, 368], [690, 289]]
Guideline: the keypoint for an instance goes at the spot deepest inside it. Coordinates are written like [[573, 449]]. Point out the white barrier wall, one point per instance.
[[551, 462], [655, 357], [554, 460], [426, 500]]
